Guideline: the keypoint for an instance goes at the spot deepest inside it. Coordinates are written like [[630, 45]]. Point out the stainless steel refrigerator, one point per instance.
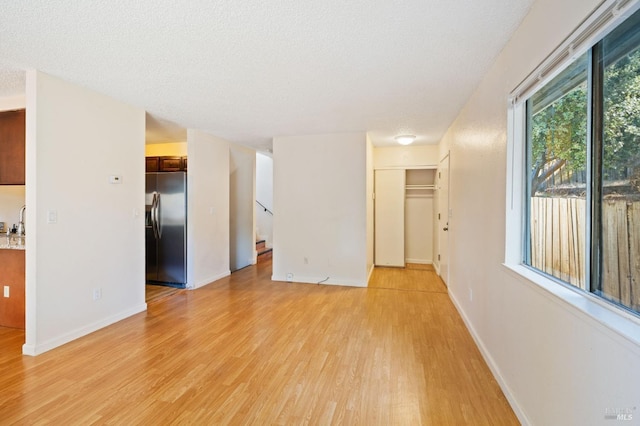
[[166, 228]]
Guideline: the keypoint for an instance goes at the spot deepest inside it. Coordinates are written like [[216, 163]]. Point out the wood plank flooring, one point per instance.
[[246, 350], [414, 277], [154, 292]]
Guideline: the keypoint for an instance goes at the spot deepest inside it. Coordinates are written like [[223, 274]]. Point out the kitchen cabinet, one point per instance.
[[166, 164], [170, 164], [152, 164], [12, 308], [12, 146]]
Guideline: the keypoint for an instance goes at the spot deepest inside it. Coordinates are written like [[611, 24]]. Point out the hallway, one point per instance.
[[247, 350]]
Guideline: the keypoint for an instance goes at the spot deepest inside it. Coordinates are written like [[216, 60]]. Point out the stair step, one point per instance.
[[265, 254], [260, 245]]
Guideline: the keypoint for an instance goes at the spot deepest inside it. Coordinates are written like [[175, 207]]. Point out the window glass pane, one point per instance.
[[620, 206], [557, 153]]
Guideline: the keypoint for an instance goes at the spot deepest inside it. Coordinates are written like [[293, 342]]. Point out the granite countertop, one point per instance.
[[13, 242]]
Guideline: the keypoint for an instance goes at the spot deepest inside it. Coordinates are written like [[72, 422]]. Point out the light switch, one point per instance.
[[115, 179], [52, 216], [6, 291]]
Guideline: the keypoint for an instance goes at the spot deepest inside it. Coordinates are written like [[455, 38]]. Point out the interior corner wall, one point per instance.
[[207, 208], [264, 194], [555, 363], [370, 208], [320, 229], [242, 196], [83, 234]]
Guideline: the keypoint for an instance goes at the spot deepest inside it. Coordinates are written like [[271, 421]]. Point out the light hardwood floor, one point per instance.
[[246, 350], [413, 277], [154, 293]]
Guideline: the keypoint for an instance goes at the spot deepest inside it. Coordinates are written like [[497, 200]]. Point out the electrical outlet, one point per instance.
[[289, 277], [471, 295], [97, 294], [6, 291]]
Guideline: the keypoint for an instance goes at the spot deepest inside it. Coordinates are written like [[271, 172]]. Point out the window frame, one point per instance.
[[593, 29]]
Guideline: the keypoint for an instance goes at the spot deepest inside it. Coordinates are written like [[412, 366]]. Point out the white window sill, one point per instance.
[[623, 323]]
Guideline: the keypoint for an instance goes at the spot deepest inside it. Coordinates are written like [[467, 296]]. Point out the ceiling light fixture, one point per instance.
[[405, 139]]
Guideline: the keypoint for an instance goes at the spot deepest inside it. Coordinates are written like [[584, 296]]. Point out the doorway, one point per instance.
[[444, 214], [403, 216]]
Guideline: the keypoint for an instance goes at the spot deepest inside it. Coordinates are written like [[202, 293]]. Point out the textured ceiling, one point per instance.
[[247, 71]]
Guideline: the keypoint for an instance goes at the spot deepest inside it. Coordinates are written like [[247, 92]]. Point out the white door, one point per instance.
[[443, 218], [389, 217]]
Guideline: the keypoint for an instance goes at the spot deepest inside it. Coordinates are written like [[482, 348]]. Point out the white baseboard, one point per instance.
[[211, 279], [38, 349], [420, 261], [492, 365], [436, 266]]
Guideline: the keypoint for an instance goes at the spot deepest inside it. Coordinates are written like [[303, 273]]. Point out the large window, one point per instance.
[[583, 171]]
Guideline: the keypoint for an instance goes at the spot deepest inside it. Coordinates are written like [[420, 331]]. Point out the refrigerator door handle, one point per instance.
[[154, 214], [158, 217]]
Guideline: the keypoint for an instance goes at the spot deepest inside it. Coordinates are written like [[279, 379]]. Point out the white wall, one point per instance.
[[370, 188], [320, 225], [75, 140], [207, 209], [264, 194], [10, 103], [418, 229], [405, 156], [556, 364], [242, 200]]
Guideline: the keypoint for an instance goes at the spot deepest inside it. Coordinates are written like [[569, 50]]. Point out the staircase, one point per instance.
[[264, 253]]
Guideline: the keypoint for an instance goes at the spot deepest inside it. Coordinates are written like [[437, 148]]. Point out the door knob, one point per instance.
[[446, 228]]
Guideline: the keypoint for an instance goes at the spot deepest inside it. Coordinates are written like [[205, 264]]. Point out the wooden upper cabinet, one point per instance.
[[170, 164], [152, 164], [166, 164], [12, 147]]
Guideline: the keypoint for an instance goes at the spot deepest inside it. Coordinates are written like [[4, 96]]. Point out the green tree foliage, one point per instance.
[[559, 130], [622, 113], [559, 134]]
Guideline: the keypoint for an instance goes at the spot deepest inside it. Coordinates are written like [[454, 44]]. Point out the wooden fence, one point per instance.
[[558, 244]]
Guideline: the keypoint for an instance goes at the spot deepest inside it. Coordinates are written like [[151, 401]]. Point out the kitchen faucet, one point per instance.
[[21, 224]]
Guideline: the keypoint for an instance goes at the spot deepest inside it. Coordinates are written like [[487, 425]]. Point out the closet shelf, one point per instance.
[[420, 187]]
